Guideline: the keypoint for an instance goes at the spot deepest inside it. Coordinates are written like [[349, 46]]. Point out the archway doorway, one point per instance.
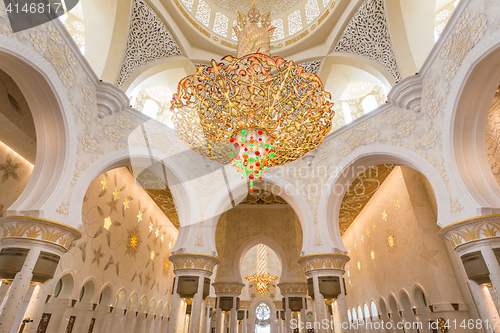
[[262, 318]]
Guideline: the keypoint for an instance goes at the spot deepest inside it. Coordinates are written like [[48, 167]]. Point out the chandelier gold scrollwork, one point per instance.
[[255, 93]]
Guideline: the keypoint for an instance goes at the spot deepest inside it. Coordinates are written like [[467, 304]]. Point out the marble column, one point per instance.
[[478, 248], [36, 305], [324, 265], [293, 289], [174, 310], [35, 235], [197, 306], [233, 318], [183, 266], [218, 318], [233, 290], [15, 296]]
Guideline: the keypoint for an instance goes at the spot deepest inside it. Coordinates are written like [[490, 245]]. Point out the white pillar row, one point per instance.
[[321, 265], [293, 289], [484, 303], [44, 230], [197, 305], [492, 264], [85, 315], [476, 253], [233, 290], [103, 319], [183, 266], [35, 308], [303, 319], [288, 316], [218, 318], [15, 296], [342, 308], [174, 310], [233, 324]]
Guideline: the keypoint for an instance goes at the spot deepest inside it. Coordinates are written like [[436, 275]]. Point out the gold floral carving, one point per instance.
[[323, 17], [360, 192], [472, 230], [245, 304], [324, 261], [228, 287], [40, 229], [233, 46], [193, 261], [292, 287], [296, 38]]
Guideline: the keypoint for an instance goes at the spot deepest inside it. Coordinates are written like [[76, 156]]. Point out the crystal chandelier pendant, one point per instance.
[[252, 153], [254, 111]]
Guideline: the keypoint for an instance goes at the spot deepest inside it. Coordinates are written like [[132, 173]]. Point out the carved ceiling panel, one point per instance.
[[158, 191], [148, 40], [360, 192], [368, 35], [273, 6]]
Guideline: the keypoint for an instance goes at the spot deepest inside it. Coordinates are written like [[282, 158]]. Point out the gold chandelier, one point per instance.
[[262, 279], [254, 111]]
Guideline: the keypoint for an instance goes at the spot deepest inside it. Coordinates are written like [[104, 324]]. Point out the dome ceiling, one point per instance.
[[264, 6]]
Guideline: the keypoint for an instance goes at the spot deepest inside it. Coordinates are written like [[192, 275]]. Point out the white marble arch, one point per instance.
[[252, 317], [162, 72], [54, 125], [238, 189], [250, 243], [364, 157], [464, 132], [182, 191], [338, 69]]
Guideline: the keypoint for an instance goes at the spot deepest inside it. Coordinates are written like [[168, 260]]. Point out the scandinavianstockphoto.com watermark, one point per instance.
[[441, 325]]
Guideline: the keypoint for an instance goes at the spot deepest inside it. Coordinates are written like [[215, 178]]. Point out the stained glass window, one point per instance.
[[294, 22], [188, 4], [203, 13], [278, 32], [263, 312], [220, 24], [312, 10]]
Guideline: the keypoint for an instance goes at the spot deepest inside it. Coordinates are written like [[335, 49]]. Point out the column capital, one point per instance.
[[228, 288], [324, 261], [245, 304], [293, 288], [210, 301], [472, 230], [35, 229], [192, 261], [278, 305]]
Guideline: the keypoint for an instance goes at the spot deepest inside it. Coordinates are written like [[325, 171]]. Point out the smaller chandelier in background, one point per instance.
[[254, 111], [262, 279]]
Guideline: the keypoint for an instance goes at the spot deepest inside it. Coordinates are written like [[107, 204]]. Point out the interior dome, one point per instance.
[[273, 6]]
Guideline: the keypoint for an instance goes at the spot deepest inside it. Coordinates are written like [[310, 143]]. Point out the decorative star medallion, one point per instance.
[[115, 194], [10, 169], [384, 215], [125, 204], [107, 223], [139, 217], [104, 183]]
